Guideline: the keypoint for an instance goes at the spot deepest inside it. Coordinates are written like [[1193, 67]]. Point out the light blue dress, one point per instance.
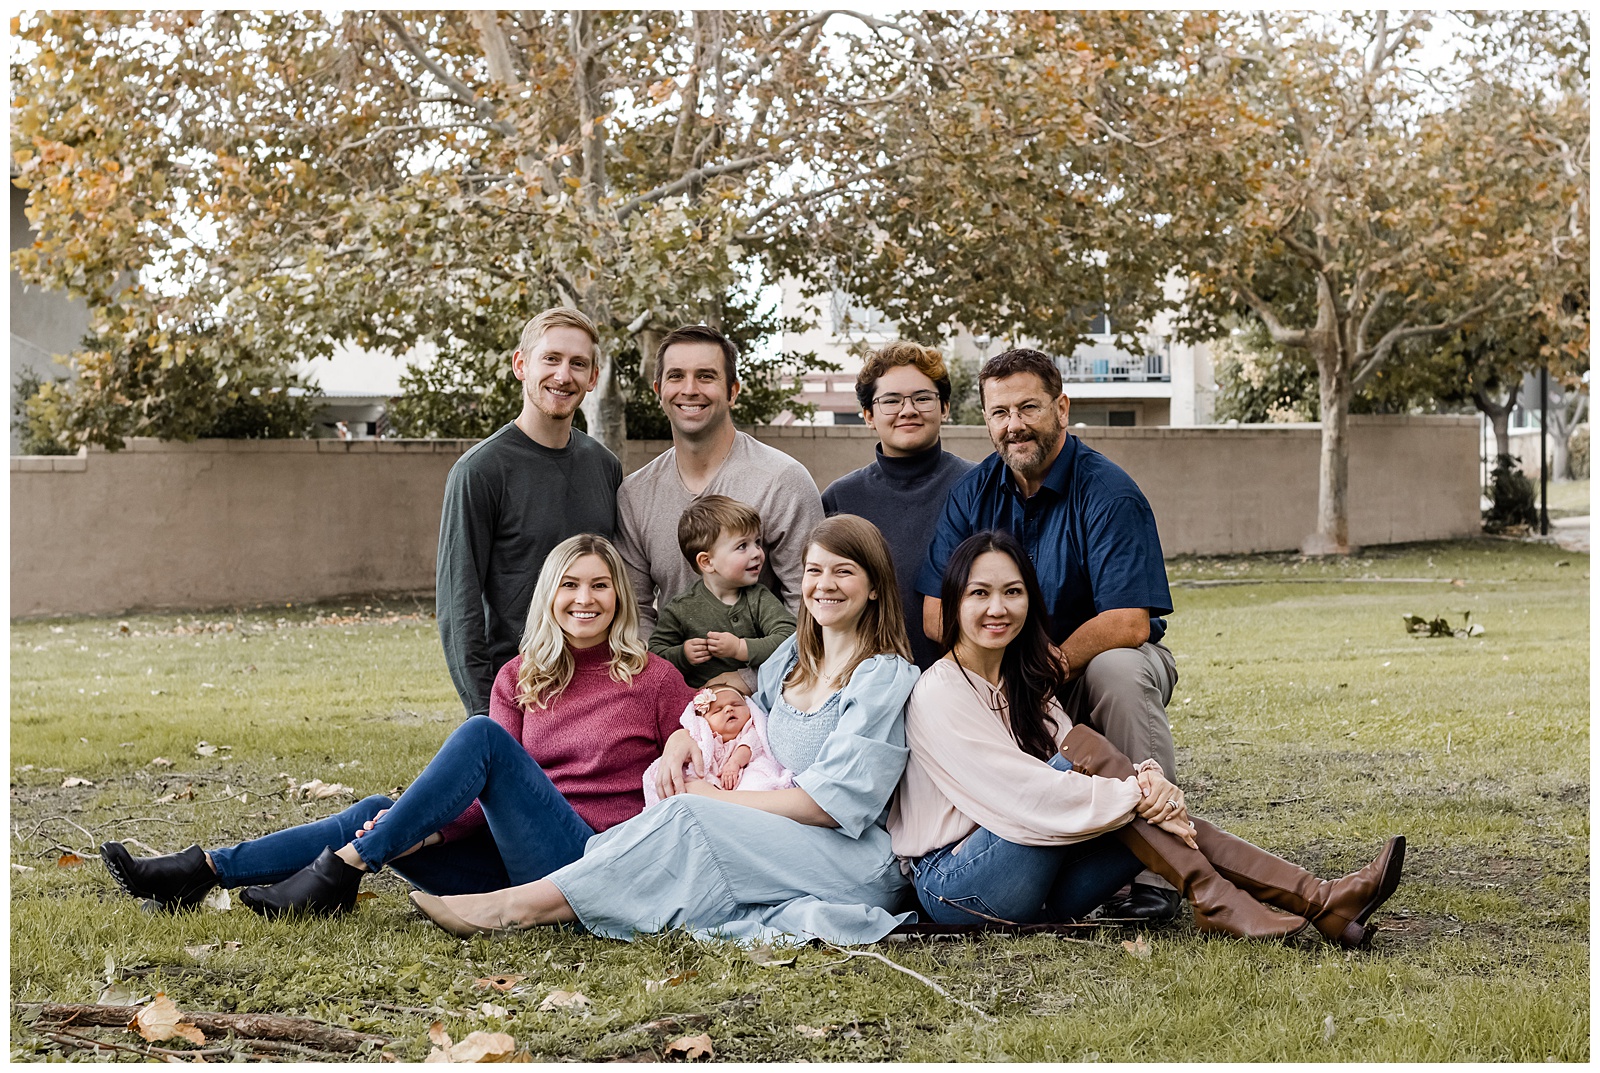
[[722, 870]]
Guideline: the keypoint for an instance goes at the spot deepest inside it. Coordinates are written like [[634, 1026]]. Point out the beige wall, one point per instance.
[[237, 522]]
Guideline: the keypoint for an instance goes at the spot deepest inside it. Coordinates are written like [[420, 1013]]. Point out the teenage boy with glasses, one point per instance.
[[904, 391]]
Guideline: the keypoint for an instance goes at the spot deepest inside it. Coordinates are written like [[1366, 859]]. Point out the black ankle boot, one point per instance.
[[174, 880], [324, 887]]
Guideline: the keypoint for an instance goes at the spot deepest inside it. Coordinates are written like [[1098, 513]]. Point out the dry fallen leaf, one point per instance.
[[163, 1020], [765, 956], [564, 1000], [219, 899], [160, 761], [476, 1047], [1328, 1028], [205, 749], [69, 860], [489, 1009], [670, 981], [317, 790], [691, 1048], [1139, 948], [499, 983], [20, 868], [119, 995], [365, 895], [814, 1033], [73, 780]]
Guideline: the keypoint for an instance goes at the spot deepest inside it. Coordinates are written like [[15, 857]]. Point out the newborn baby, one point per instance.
[[729, 735]]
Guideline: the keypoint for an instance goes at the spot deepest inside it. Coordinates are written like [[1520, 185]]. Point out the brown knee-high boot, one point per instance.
[[1219, 904], [1339, 908]]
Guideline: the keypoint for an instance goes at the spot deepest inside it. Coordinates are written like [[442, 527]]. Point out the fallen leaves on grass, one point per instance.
[[206, 948], [489, 1009], [670, 981], [317, 790], [21, 868], [476, 1047], [564, 1000], [765, 956], [69, 860], [186, 794], [205, 748], [815, 1033], [1139, 948], [691, 1048], [73, 780], [1328, 1028], [500, 983], [219, 899], [163, 1020], [159, 761]]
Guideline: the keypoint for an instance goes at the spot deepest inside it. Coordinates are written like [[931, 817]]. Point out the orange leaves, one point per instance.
[[161, 1019]]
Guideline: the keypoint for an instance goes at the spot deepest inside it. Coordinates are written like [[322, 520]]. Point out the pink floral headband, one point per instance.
[[706, 697]]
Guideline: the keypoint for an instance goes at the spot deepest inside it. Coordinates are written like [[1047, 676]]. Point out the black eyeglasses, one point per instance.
[[925, 401]]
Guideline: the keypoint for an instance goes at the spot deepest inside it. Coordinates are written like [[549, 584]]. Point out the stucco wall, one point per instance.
[[230, 522]]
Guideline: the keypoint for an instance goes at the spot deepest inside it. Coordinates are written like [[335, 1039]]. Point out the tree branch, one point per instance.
[[1372, 311], [1283, 336], [688, 179], [1369, 363], [813, 195], [458, 88]]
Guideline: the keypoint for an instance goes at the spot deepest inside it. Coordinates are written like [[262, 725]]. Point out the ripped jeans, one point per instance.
[[985, 879]]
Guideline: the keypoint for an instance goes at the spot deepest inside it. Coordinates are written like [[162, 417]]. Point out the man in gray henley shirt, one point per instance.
[[516, 495], [697, 381]]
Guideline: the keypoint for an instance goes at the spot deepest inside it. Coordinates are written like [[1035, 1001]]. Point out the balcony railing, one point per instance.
[[1113, 367]]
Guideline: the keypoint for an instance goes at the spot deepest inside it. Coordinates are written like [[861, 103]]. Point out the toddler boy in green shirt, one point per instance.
[[728, 620]]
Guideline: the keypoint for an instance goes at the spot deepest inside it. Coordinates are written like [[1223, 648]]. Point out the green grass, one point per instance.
[[1306, 719], [1567, 498]]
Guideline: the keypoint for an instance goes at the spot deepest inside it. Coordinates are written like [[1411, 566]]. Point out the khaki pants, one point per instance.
[[1123, 694]]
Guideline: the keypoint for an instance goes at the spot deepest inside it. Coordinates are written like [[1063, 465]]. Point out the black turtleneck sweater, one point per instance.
[[903, 497]]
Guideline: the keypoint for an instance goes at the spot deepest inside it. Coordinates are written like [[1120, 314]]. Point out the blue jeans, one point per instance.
[[985, 879], [531, 829]]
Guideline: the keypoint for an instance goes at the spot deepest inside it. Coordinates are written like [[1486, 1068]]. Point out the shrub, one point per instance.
[[1511, 496]]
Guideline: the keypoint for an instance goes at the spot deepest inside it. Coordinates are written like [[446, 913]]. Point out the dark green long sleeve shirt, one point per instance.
[[507, 502], [758, 616]]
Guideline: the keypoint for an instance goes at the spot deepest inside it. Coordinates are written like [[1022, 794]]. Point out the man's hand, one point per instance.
[[680, 750], [727, 646], [696, 650]]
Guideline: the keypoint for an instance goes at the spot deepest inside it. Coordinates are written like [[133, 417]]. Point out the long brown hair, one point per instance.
[[882, 627], [1030, 671]]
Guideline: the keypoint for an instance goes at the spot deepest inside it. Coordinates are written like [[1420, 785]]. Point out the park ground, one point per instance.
[[1307, 718]]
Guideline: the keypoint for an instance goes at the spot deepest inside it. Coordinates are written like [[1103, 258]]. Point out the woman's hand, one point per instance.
[[680, 749], [368, 825], [432, 840], [1162, 799]]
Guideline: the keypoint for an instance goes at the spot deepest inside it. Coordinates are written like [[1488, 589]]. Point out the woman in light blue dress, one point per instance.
[[812, 861]]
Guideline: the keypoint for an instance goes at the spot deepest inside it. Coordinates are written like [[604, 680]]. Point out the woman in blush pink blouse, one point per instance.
[[1009, 814]]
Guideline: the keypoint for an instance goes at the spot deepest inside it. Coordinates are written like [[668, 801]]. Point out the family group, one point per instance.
[[707, 697]]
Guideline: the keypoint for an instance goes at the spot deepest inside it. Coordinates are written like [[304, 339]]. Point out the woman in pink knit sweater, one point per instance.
[[1009, 814], [573, 722]]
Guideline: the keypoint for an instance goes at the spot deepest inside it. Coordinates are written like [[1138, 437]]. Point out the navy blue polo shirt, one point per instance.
[[1089, 531]]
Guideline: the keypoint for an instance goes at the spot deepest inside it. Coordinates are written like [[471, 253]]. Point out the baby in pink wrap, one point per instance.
[[730, 738]]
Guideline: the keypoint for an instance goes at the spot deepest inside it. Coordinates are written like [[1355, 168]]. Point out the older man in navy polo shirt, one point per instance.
[[1092, 538]]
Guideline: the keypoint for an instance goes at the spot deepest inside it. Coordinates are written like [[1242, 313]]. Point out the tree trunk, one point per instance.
[[1499, 415], [1333, 472], [604, 412]]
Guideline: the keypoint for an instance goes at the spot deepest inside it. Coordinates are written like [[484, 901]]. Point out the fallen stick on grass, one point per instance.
[[269, 1026], [914, 975]]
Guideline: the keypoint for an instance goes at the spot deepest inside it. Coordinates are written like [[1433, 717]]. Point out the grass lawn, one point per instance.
[[1567, 499], [1306, 719]]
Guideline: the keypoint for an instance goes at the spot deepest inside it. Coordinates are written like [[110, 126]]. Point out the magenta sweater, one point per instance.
[[596, 738]]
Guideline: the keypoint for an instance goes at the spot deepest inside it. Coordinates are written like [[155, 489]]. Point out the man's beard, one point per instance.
[[1026, 452]]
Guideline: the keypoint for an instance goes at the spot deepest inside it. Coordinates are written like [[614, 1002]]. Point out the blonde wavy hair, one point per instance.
[[547, 662]]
